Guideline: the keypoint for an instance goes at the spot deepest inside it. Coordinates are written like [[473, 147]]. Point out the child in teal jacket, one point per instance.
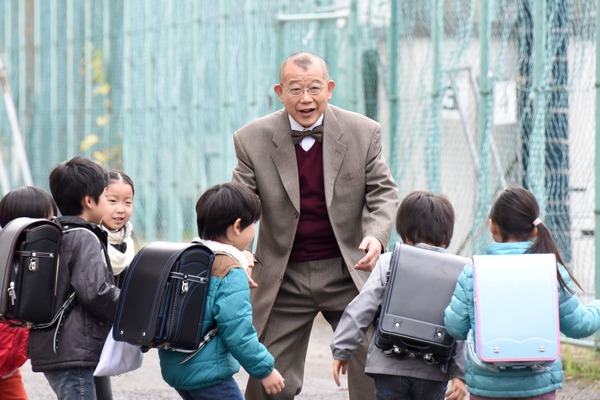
[[516, 229], [226, 215]]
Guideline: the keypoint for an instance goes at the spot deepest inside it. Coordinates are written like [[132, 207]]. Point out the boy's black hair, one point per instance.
[[115, 175], [26, 201], [72, 180], [425, 217], [222, 204]]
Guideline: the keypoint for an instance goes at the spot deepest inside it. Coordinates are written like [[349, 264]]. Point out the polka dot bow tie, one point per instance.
[[316, 132]]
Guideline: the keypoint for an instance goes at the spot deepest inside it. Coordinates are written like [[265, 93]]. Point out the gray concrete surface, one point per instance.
[[147, 384]]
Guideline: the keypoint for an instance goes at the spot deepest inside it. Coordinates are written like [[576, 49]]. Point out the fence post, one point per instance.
[[597, 169], [485, 103], [18, 144]]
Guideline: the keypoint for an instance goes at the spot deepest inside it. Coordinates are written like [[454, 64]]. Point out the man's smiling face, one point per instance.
[[305, 108]]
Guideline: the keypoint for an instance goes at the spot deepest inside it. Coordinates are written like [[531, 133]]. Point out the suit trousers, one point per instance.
[[308, 288]]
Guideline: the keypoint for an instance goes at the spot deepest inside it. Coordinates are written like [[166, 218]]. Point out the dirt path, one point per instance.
[[147, 384]]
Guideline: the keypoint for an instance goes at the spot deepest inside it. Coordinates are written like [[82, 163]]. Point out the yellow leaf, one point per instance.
[[100, 157], [103, 89], [88, 142], [103, 120]]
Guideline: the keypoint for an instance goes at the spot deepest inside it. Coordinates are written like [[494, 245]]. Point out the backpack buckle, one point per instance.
[[32, 266]]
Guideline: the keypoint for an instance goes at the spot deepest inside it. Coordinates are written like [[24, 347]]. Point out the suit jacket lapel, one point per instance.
[[284, 158], [333, 152]]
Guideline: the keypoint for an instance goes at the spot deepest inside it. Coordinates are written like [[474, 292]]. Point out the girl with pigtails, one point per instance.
[[517, 228]]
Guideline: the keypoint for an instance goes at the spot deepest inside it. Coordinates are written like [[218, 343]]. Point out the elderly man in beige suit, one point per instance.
[[328, 206]]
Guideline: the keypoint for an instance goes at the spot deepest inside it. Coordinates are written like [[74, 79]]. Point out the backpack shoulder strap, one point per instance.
[[395, 259]]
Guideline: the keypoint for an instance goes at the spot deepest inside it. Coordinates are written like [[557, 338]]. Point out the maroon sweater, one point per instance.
[[314, 239]]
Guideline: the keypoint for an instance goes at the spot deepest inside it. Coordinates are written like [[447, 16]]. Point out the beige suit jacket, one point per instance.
[[360, 193]]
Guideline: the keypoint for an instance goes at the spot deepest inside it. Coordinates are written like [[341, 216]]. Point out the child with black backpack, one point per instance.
[[226, 215], [68, 353], [516, 228], [426, 220], [32, 202]]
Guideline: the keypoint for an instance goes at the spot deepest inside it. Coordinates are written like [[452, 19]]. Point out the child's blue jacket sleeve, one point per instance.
[[233, 314], [576, 319], [458, 314]]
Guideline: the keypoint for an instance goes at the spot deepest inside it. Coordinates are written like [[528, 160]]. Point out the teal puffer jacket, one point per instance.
[[576, 321], [228, 304]]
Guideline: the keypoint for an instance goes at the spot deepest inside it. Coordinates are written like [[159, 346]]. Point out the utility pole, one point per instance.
[[18, 145]]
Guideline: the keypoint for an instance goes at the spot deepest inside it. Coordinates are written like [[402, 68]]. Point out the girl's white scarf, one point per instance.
[[222, 248], [118, 260]]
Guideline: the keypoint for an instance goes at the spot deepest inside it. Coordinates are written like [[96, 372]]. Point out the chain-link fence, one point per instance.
[[473, 96]]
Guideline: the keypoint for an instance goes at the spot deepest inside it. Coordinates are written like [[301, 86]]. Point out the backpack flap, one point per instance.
[[163, 296], [28, 268], [516, 309], [185, 300], [143, 288], [420, 287]]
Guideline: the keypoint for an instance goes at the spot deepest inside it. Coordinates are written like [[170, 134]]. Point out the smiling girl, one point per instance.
[[119, 196], [119, 206]]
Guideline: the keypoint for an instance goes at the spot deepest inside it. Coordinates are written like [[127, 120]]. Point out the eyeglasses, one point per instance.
[[313, 90]]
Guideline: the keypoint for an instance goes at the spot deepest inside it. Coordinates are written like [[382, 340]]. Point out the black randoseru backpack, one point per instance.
[[29, 268], [163, 297]]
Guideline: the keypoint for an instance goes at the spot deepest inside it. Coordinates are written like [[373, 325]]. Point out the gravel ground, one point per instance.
[[147, 384]]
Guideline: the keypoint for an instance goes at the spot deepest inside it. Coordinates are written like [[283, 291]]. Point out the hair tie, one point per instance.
[[537, 221]]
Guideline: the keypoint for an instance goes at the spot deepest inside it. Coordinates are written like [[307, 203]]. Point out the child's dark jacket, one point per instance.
[[85, 269]]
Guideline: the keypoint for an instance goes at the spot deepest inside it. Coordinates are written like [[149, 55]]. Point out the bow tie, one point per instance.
[[316, 133]]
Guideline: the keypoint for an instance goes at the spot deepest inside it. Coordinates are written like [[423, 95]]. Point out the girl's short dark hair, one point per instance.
[[426, 217], [221, 205], [117, 176], [26, 201]]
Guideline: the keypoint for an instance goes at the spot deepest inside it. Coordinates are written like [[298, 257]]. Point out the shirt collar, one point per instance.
[[297, 127]]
